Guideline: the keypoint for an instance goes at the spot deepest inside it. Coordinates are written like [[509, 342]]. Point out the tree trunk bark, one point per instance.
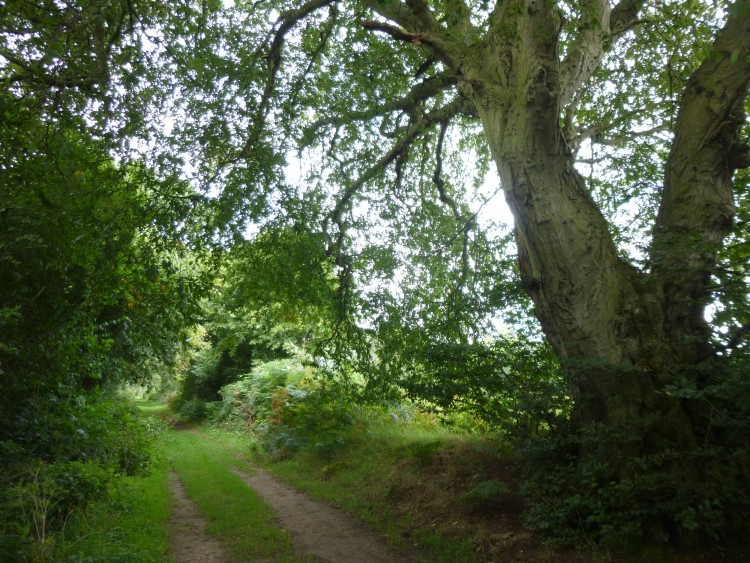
[[625, 334]]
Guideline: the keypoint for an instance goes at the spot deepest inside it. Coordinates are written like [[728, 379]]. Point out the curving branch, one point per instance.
[[414, 15], [414, 131], [437, 177], [286, 22], [413, 21], [598, 27], [416, 97], [317, 52], [445, 198], [697, 207]]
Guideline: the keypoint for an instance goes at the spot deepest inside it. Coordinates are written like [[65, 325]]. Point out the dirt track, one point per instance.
[[187, 529], [318, 530]]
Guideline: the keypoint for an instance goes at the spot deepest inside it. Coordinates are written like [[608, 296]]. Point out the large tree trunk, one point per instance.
[[626, 333]]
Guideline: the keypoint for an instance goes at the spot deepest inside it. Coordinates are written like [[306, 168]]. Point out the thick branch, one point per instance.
[[697, 206], [414, 22], [624, 16], [436, 42], [412, 15], [422, 12], [598, 28], [458, 18]]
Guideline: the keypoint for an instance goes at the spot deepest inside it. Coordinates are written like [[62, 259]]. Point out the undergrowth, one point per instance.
[[52, 474], [582, 489], [130, 527], [430, 488]]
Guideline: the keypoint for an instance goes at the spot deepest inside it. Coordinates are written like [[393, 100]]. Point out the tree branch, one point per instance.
[[697, 206], [598, 27], [414, 22], [317, 52], [437, 177], [416, 97], [458, 18], [603, 127], [40, 75], [440, 115], [413, 15], [624, 16], [286, 21], [422, 12]]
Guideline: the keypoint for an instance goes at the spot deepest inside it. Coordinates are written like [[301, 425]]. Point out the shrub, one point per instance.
[[514, 385], [67, 459], [287, 411], [251, 398], [193, 410], [577, 493]]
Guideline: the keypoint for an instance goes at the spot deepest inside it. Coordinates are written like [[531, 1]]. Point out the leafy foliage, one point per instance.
[[95, 289], [513, 384], [288, 410], [101, 263], [76, 459], [375, 244]]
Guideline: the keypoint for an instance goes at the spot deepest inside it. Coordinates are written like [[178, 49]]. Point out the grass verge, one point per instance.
[[130, 527], [406, 482], [430, 489]]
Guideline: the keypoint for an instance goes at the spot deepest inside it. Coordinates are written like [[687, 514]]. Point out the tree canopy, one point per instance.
[[347, 158], [374, 106]]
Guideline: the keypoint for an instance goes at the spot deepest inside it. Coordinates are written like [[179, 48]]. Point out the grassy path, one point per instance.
[[187, 529], [134, 525], [244, 524]]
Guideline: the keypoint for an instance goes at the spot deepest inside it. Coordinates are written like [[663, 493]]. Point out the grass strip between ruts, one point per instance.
[[235, 513]]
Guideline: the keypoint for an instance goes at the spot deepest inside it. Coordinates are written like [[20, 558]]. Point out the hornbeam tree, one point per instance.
[[376, 85], [389, 97]]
